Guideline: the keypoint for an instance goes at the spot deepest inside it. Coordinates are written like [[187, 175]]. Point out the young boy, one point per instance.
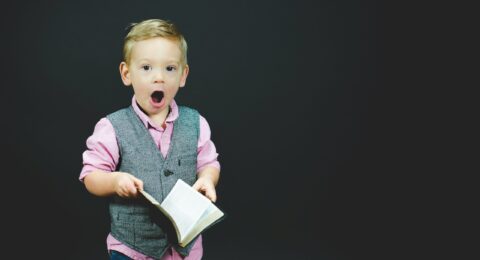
[[150, 145]]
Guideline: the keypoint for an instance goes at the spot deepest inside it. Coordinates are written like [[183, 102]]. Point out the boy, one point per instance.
[[150, 145]]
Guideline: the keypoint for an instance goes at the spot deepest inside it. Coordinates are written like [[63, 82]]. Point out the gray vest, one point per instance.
[[132, 220]]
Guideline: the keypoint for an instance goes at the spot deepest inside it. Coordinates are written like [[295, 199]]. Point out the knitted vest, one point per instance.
[[133, 221]]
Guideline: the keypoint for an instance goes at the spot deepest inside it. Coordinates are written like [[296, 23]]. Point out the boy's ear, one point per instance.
[[183, 80], [125, 74]]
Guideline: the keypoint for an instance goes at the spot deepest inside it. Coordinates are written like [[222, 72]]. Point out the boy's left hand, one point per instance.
[[206, 186]]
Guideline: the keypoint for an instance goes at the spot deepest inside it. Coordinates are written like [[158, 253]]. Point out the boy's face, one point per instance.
[[156, 73]]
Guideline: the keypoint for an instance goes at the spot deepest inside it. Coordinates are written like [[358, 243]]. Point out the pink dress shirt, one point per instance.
[[103, 154]]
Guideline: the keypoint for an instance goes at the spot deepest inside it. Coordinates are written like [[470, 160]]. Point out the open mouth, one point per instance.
[[157, 97]]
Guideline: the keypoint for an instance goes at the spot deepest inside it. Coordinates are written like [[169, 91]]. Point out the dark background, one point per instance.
[[305, 103]]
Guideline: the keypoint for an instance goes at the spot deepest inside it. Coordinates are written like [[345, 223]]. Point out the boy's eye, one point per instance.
[[171, 68], [146, 67]]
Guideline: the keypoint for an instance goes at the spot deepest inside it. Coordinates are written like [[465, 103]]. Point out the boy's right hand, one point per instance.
[[127, 185]]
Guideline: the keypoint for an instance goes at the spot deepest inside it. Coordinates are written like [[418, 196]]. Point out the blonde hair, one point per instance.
[[150, 29]]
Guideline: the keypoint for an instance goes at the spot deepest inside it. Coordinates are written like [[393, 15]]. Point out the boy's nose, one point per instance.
[[158, 77]]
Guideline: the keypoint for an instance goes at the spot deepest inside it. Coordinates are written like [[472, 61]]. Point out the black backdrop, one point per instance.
[[294, 93]]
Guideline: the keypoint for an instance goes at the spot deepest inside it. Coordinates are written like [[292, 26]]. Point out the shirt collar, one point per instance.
[[172, 115]]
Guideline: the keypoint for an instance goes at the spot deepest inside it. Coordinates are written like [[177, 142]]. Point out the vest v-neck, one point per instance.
[[152, 141]]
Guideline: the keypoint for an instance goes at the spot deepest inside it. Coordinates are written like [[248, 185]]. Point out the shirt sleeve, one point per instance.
[[206, 152], [102, 149]]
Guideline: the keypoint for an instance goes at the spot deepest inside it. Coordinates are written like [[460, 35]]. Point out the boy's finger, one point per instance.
[[126, 191], [132, 189], [138, 183], [196, 186], [211, 194]]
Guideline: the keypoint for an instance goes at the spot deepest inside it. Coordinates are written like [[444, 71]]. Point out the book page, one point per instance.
[[211, 214], [150, 198], [186, 206]]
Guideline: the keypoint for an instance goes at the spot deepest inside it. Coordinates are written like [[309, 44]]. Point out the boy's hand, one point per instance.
[[126, 185], [206, 186]]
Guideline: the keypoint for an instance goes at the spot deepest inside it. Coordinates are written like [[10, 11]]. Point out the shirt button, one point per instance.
[[167, 173]]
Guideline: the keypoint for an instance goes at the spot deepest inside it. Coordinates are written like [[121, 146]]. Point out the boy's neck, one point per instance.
[[159, 119]]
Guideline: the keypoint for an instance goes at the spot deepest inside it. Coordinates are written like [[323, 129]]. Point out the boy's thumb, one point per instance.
[[196, 186], [138, 183], [212, 195]]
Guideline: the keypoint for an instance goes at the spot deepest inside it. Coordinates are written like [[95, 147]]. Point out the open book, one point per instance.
[[189, 211]]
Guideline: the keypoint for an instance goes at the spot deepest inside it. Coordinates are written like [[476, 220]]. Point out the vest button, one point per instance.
[[167, 173]]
